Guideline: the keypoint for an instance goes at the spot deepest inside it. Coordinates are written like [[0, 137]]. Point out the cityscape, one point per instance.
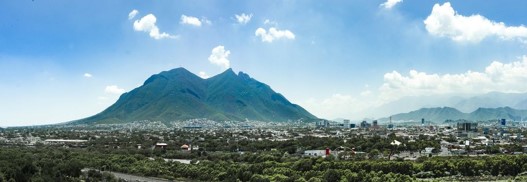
[[263, 91], [124, 151]]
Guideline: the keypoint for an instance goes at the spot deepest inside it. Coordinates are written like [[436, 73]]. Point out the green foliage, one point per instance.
[[52, 164]]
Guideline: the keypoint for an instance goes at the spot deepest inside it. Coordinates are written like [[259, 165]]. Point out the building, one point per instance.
[[467, 129], [347, 123], [322, 123], [315, 153], [161, 145], [63, 141], [467, 126], [365, 124], [318, 153]]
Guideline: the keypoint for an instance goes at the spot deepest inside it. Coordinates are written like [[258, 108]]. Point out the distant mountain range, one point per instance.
[[440, 114], [181, 95], [464, 103]]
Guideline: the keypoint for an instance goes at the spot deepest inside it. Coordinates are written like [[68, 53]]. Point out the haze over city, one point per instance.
[[63, 60]]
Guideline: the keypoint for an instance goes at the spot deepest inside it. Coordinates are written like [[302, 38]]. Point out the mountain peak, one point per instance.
[[229, 73], [179, 69], [173, 74], [176, 71]]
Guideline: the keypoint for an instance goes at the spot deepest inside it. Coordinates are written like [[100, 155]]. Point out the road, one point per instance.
[[133, 178]]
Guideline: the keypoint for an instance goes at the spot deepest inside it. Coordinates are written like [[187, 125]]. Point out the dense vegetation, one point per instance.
[[244, 156], [52, 164]]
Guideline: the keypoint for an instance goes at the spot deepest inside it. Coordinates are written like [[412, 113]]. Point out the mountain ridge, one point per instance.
[[463, 102], [178, 94], [440, 114]]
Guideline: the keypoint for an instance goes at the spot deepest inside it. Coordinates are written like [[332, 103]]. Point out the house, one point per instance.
[[185, 147], [161, 145]]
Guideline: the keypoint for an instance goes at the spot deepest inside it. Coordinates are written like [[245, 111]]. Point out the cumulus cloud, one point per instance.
[[497, 77], [273, 34], [132, 14], [243, 18], [219, 56], [444, 21], [190, 20], [148, 24], [203, 75], [389, 4], [87, 75], [113, 89]]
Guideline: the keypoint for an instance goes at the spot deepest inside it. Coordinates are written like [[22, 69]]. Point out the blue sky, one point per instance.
[[65, 60]]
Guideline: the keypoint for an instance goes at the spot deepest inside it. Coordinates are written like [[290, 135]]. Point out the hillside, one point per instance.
[[181, 95]]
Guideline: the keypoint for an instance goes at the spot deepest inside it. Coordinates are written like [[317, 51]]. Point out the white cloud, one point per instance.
[[389, 4], [148, 24], [336, 106], [497, 77], [243, 18], [273, 33], [219, 56], [113, 89], [444, 21], [206, 21], [269, 22], [203, 75], [190, 20], [132, 14], [88, 75], [365, 93]]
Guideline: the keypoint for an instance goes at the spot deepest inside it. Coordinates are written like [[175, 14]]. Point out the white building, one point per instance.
[[315, 153]]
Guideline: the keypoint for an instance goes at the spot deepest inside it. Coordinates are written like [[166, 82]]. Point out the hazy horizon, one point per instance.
[[63, 60]]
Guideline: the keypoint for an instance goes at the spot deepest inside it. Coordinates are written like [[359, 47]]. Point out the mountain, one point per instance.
[[492, 100], [431, 114], [181, 95], [463, 102], [440, 114]]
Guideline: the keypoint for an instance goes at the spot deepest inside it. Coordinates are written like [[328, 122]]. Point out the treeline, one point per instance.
[[51, 164]]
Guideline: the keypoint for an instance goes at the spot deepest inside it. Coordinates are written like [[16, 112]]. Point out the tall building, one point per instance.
[[467, 129], [365, 124], [467, 126], [347, 123], [322, 123]]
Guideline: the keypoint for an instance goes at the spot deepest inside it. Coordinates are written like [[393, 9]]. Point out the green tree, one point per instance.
[[331, 176]]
